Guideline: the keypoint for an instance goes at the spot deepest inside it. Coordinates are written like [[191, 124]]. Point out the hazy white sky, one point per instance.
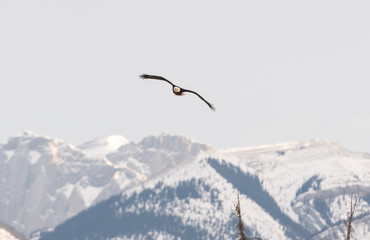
[[275, 70]]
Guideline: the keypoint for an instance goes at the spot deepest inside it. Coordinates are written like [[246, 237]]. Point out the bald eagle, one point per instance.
[[176, 89]]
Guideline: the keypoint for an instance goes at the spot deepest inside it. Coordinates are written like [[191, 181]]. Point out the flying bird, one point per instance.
[[176, 89]]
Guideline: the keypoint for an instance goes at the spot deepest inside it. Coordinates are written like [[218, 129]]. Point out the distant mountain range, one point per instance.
[[170, 187]]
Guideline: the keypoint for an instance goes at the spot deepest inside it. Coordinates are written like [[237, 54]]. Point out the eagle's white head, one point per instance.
[[176, 89]]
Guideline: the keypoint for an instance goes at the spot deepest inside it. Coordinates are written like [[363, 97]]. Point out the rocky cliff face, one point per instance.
[[44, 181]]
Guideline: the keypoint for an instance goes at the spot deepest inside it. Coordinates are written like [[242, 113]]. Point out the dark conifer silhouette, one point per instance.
[[241, 231], [348, 223]]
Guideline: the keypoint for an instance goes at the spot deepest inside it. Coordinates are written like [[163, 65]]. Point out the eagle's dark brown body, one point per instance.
[[176, 89]]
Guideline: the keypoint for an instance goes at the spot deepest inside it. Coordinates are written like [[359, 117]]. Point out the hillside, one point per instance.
[[45, 181], [288, 191]]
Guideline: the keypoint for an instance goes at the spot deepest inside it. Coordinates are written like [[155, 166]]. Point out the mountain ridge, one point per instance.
[[312, 176], [57, 180], [308, 214]]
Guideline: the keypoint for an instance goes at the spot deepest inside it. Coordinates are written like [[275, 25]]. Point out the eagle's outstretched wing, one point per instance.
[[146, 76], [209, 104]]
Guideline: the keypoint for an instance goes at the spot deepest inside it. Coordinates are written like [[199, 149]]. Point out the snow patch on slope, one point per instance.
[[89, 194], [9, 154], [103, 146], [34, 157], [66, 190], [5, 235]]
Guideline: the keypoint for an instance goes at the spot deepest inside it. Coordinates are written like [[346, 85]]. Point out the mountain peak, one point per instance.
[[100, 147], [175, 143], [28, 139], [27, 133]]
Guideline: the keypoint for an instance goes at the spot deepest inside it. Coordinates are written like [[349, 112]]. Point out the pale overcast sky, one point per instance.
[[276, 71]]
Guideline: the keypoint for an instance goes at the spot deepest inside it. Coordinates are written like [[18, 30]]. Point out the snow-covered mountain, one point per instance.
[[167, 187], [45, 181], [288, 191]]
